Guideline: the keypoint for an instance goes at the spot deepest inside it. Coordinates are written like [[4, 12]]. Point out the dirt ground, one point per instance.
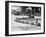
[[16, 26]]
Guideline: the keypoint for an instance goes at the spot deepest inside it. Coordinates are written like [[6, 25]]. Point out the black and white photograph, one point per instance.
[[25, 18]]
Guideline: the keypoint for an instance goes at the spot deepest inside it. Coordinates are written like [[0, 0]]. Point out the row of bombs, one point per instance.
[[30, 23]]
